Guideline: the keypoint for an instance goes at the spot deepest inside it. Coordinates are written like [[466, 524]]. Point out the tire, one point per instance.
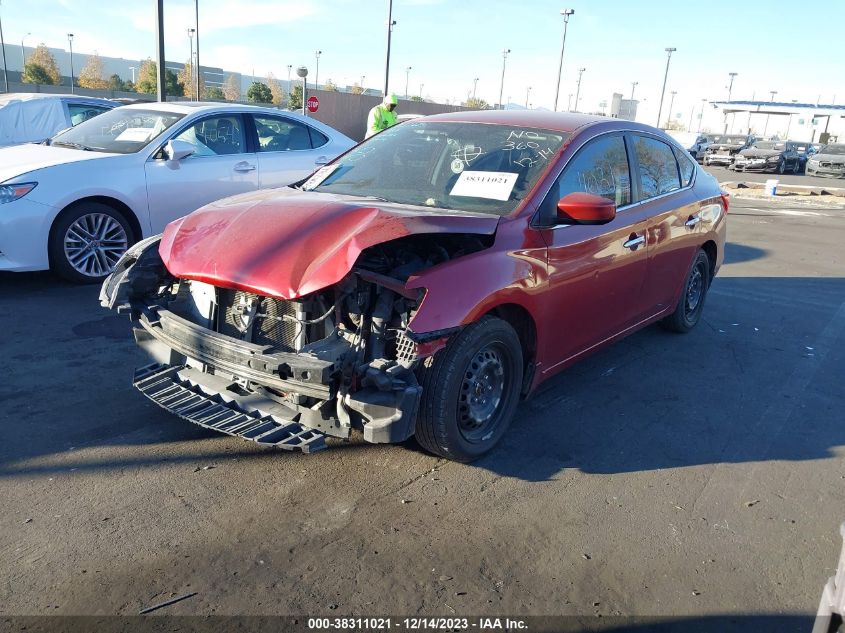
[[687, 313], [782, 166], [796, 169], [450, 422], [87, 240]]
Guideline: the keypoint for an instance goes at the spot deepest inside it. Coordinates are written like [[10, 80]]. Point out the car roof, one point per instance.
[[187, 107], [557, 121]]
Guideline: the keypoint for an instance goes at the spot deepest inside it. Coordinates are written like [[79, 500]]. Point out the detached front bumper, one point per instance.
[[761, 167]]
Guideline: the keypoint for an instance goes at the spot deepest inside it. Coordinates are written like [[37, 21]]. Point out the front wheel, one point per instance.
[[781, 166], [687, 313], [87, 241], [470, 391]]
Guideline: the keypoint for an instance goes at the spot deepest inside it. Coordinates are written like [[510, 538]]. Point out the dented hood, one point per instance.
[[286, 243]]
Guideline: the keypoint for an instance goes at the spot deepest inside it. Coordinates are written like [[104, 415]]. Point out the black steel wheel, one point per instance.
[[687, 313], [470, 391]]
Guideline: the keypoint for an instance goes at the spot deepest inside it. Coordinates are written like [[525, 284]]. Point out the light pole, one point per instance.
[[505, 52], [390, 24], [70, 43], [527, 93], [634, 84], [197, 27], [566, 13], [731, 85], [421, 87], [474, 87], [302, 72], [671, 103], [317, 70], [362, 83], [665, 77], [766, 126], [578, 91], [290, 66], [569, 103], [407, 76], [23, 55], [701, 114], [3, 48], [191, 62], [132, 68]]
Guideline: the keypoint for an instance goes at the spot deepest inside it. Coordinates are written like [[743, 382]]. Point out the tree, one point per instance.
[[188, 83], [35, 74], [275, 89], [148, 77], [675, 125], [91, 75], [214, 93], [295, 100], [330, 86], [418, 99], [477, 104], [356, 89], [116, 83], [171, 84], [129, 86], [42, 57], [259, 93], [232, 88]]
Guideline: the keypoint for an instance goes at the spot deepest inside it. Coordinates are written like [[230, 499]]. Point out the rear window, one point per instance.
[[658, 167], [686, 166]]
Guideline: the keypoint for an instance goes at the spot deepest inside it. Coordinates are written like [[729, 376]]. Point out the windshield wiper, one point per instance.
[[73, 145]]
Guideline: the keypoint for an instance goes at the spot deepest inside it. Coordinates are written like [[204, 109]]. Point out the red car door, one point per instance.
[[674, 217], [596, 273]]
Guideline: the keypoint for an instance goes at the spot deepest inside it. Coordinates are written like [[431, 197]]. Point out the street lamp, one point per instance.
[[527, 93], [191, 62], [669, 51], [505, 52], [474, 87], [362, 83], [23, 55], [390, 24], [70, 43], [766, 126], [317, 70], [701, 114], [569, 103], [290, 67], [731, 84], [197, 25], [634, 84], [671, 103], [566, 13], [132, 68], [302, 72], [407, 75], [3, 49], [578, 91], [421, 87]]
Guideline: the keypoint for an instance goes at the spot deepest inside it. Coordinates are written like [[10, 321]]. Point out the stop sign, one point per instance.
[[313, 104]]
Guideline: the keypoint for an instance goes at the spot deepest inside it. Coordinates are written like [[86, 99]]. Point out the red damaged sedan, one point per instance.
[[424, 281]]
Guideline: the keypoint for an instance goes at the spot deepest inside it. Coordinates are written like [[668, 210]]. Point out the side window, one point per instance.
[[80, 112], [278, 134], [215, 136], [686, 166], [658, 167]]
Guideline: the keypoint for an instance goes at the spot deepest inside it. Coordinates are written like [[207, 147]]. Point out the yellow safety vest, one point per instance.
[[380, 118]]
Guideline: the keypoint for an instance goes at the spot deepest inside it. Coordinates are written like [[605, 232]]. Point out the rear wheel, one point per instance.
[[688, 311], [87, 241], [470, 391], [796, 168]]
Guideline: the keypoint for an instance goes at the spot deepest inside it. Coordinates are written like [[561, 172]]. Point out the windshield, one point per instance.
[[121, 131], [768, 145], [833, 149], [463, 166], [730, 140]]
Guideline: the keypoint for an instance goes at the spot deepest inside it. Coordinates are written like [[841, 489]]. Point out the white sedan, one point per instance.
[[76, 204]]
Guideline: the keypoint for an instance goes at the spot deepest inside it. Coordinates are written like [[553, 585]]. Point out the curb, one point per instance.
[[807, 190]]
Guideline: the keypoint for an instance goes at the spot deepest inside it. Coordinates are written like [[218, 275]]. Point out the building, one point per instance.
[[622, 108]]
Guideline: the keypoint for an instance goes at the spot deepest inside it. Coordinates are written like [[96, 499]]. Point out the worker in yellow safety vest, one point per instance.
[[382, 116]]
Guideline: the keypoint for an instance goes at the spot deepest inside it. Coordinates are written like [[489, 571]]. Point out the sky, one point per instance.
[[771, 44]]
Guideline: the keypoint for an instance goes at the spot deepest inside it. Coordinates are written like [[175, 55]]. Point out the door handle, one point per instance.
[[634, 241], [244, 166], [692, 221], [321, 160]]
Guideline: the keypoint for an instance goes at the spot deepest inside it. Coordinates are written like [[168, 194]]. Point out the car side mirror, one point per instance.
[[177, 149], [585, 208]]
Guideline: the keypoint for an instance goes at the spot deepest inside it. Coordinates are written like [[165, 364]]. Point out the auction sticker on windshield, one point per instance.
[[494, 185], [135, 134], [319, 176]]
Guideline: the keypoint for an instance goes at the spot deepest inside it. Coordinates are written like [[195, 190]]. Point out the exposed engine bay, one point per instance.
[[338, 359]]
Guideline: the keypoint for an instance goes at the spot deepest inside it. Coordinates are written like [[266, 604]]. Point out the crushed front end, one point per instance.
[[282, 372]]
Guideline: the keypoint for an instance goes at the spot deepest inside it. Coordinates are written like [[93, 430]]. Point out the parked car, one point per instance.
[[423, 281], [696, 144], [775, 156], [77, 203], [829, 161], [725, 147], [27, 118]]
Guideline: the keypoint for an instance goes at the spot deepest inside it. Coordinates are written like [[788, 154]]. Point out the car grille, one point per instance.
[[241, 312]]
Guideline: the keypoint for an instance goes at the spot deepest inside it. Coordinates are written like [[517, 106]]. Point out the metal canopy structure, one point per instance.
[[806, 112]]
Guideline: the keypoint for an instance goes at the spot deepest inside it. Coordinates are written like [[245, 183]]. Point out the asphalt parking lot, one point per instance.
[[669, 475], [723, 174]]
